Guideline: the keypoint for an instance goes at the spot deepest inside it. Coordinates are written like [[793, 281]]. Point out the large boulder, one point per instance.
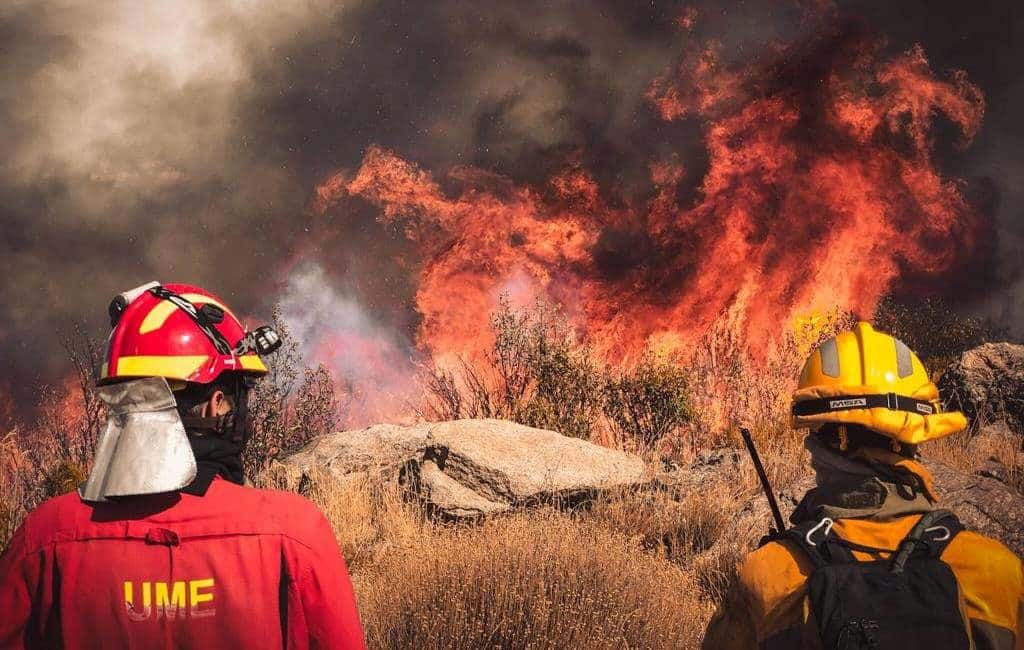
[[468, 468], [987, 384]]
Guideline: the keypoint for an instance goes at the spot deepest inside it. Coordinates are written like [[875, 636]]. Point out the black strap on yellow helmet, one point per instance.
[[890, 401]]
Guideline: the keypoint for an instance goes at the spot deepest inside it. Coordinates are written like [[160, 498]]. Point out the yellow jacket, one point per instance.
[[767, 609]]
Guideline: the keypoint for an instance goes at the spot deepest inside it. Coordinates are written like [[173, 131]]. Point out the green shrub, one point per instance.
[[650, 402], [63, 477], [537, 373]]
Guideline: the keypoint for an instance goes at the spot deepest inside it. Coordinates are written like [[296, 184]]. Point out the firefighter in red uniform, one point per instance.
[[163, 547]]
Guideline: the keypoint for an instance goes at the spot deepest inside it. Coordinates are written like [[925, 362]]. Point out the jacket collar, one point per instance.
[[872, 484]]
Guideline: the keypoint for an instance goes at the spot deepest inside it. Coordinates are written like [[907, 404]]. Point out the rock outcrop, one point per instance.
[[469, 468], [473, 468], [983, 503], [987, 384]]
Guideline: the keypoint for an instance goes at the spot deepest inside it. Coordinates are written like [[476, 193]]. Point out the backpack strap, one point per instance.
[[932, 533], [815, 538]]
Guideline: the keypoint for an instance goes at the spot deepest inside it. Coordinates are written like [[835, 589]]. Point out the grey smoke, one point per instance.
[[182, 141]]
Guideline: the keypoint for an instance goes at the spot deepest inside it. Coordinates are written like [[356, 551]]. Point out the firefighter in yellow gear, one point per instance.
[[872, 560]]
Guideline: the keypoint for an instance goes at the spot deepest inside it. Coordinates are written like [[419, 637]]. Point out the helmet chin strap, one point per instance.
[[234, 425], [221, 426]]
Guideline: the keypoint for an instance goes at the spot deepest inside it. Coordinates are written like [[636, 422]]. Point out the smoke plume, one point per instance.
[[324, 155]]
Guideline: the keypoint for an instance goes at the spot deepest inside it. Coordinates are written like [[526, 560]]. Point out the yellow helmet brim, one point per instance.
[[901, 425]]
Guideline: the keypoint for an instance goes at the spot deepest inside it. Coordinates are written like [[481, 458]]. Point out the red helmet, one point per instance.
[[180, 332]]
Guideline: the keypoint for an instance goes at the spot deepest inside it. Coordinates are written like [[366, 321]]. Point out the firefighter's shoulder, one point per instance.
[[53, 520], [990, 576], [773, 579], [273, 511]]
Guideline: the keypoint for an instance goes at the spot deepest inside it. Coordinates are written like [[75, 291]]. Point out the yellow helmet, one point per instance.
[[872, 379]]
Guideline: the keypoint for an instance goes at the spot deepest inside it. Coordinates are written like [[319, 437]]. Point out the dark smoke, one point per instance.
[[182, 142]]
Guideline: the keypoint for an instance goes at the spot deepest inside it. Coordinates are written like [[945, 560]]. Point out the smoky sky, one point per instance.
[[183, 141]]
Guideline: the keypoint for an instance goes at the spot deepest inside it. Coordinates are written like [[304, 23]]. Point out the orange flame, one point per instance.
[[819, 194]]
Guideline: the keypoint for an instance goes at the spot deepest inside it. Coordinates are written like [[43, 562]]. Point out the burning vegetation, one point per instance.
[[665, 311], [652, 316], [821, 191]]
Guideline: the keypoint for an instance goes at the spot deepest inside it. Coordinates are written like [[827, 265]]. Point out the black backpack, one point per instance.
[[908, 601]]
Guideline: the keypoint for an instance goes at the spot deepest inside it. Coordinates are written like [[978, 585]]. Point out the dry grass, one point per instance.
[[544, 579], [670, 524], [638, 569], [370, 518], [992, 448], [641, 569]]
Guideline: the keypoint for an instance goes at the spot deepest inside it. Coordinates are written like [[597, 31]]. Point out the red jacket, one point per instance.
[[236, 568]]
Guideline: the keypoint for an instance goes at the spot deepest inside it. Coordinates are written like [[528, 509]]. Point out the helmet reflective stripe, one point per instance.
[[179, 367], [830, 358], [252, 362], [904, 359]]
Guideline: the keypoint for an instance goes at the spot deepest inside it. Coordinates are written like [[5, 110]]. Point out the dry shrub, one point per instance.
[[62, 478], [290, 406], [736, 384], [77, 424], [539, 581], [934, 329], [20, 484], [670, 523], [537, 373], [649, 402], [54, 454], [1007, 452]]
